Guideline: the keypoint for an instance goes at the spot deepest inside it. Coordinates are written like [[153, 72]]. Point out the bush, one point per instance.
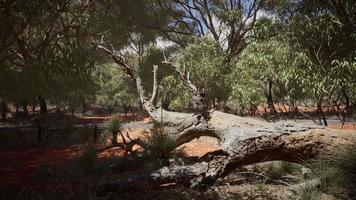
[[259, 187], [324, 170], [113, 126], [278, 169], [333, 172], [88, 157], [310, 193], [159, 144], [346, 162]]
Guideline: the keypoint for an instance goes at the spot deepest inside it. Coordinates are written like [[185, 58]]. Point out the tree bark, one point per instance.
[[346, 112], [320, 111], [33, 109], [25, 108], [114, 138], [43, 104], [4, 110], [243, 141], [269, 96]]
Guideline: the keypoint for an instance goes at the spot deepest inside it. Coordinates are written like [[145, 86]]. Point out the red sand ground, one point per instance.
[[16, 165]]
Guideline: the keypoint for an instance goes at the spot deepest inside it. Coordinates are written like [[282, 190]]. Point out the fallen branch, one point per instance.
[[266, 177]]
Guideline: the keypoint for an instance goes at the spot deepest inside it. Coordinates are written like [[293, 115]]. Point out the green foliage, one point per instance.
[[278, 169], [260, 187], [204, 59], [113, 125], [174, 96], [326, 172], [321, 32], [306, 51], [332, 172], [310, 193], [88, 157], [51, 60], [263, 62], [346, 163], [115, 88], [160, 145]]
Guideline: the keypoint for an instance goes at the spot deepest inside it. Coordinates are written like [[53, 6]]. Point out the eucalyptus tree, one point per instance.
[[114, 89], [228, 25], [41, 44], [228, 22], [326, 35], [270, 71]]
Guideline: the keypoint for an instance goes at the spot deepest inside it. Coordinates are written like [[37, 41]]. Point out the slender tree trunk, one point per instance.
[[114, 138], [33, 109], [347, 103], [125, 110], [17, 111], [83, 108], [95, 133], [3, 110], [320, 111], [269, 97], [25, 108], [345, 113], [338, 110], [43, 104]]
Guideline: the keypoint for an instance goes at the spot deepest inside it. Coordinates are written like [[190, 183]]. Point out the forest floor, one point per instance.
[[20, 167]]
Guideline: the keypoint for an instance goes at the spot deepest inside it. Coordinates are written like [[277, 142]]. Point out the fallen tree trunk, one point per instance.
[[243, 145]]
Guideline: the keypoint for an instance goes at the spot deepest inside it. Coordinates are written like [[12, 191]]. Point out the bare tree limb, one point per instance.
[[155, 85]]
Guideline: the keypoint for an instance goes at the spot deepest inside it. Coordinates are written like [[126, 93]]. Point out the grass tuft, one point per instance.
[[113, 126], [88, 157], [277, 169], [310, 193], [160, 145]]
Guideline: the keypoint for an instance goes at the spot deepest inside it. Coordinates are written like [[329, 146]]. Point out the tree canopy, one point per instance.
[[240, 54]]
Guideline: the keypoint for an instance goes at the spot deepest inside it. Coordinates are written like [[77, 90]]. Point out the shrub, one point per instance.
[[310, 193], [82, 135], [259, 187], [324, 170], [346, 162], [333, 172], [113, 126], [278, 169], [159, 144], [88, 157], [290, 168]]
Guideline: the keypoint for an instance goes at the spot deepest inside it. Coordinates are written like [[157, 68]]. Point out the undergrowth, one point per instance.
[[160, 145]]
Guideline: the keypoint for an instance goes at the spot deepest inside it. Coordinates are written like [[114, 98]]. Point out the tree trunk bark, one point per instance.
[[83, 108], [4, 110], [114, 138], [43, 104], [320, 111], [243, 141], [33, 109], [347, 103], [25, 108], [269, 97]]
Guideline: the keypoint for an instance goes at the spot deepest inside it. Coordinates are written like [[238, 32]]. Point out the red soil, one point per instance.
[[18, 164], [345, 127]]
